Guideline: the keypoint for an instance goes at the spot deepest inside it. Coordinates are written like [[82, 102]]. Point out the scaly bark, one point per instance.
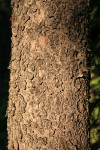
[[49, 81]]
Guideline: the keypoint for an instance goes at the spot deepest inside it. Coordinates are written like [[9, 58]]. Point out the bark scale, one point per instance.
[[49, 84]]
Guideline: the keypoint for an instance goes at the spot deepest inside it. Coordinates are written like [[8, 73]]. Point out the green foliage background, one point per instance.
[[95, 77], [5, 48]]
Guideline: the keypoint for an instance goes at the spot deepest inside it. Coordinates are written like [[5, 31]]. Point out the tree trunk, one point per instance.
[[49, 80]]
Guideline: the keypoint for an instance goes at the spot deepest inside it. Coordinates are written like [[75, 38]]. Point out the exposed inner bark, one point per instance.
[[48, 102]]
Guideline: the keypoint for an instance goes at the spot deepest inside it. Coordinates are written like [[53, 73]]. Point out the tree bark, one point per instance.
[[49, 79]]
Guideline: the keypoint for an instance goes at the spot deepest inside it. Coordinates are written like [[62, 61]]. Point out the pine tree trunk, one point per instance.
[[49, 80]]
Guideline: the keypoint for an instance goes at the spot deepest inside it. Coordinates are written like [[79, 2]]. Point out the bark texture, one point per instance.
[[49, 84]]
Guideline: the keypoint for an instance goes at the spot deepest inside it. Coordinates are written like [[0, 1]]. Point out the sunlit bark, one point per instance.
[[49, 85]]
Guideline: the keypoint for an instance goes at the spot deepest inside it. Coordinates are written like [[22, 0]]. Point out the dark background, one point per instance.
[[5, 48], [5, 53]]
